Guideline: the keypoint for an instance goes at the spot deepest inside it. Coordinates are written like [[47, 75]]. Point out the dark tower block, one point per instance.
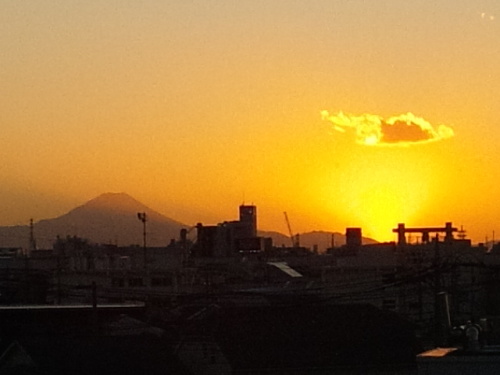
[[353, 237], [248, 219]]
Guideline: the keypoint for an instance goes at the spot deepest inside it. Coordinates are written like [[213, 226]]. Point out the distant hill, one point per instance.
[[109, 218], [320, 238]]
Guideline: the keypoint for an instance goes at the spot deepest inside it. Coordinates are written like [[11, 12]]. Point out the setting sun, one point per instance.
[[377, 194]]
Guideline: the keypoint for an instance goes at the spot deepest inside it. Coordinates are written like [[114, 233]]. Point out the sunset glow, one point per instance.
[[342, 113]]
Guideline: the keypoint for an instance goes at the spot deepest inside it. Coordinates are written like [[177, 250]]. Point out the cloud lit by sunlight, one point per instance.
[[403, 130]]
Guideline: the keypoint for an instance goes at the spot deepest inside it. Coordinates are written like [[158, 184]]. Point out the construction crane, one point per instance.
[[293, 238]]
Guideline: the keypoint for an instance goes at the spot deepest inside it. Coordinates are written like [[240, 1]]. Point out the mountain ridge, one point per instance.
[[111, 218], [322, 239], [113, 203]]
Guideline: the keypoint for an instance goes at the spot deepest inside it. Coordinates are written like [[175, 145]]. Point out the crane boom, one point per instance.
[[292, 236]]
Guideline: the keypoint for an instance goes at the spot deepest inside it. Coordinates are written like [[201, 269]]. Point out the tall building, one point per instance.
[[353, 237], [231, 237], [248, 219]]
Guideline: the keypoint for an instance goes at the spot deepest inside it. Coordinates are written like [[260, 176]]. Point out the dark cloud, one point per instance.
[[403, 130]]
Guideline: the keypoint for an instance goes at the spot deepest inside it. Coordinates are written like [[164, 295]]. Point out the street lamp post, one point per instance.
[[142, 217]]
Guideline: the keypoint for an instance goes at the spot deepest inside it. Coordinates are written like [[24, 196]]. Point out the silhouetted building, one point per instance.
[[353, 237], [206, 240], [248, 221], [448, 230], [293, 338], [230, 237], [80, 340]]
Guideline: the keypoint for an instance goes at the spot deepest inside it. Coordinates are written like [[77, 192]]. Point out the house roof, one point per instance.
[[307, 335]]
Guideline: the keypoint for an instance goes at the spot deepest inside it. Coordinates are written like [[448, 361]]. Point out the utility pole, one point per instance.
[[441, 319], [31, 247], [142, 217], [32, 244]]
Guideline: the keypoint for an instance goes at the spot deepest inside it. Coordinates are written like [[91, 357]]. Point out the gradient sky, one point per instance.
[[194, 107]]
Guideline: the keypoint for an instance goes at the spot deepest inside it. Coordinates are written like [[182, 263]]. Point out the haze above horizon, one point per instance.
[[196, 107]]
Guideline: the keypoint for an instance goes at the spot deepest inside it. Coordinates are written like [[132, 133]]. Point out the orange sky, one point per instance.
[[195, 107]]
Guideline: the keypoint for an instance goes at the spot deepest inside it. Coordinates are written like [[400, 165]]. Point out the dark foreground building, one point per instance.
[[80, 340], [259, 336], [315, 338]]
